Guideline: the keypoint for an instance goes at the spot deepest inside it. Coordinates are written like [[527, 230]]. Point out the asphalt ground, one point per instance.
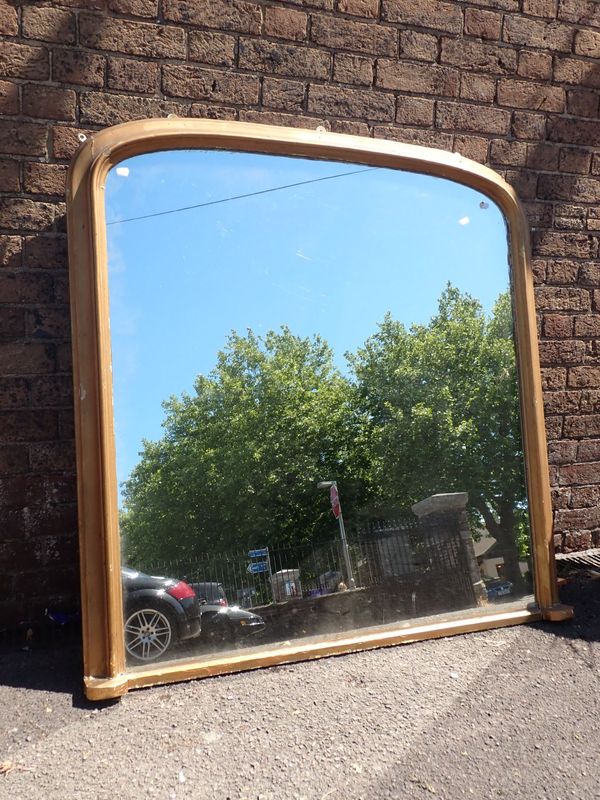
[[510, 713]]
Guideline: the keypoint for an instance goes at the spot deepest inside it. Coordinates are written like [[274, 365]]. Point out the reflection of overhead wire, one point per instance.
[[241, 196]]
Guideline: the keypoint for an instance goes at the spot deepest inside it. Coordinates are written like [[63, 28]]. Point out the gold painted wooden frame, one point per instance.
[[105, 672]]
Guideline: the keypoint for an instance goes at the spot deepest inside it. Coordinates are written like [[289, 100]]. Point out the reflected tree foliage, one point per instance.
[[443, 402], [427, 409]]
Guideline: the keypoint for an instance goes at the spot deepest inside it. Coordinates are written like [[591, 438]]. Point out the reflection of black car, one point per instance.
[[159, 613], [228, 623], [211, 592]]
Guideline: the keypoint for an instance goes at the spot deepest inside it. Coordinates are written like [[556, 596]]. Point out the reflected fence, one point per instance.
[[424, 560]]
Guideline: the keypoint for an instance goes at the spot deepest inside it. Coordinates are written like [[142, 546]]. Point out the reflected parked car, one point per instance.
[[159, 614], [212, 592], [228, 624], [497, 587]]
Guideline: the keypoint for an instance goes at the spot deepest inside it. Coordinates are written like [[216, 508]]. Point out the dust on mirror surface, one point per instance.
[[316, 408]]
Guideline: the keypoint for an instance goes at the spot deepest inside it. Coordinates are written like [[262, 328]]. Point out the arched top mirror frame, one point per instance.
[[105, 672]]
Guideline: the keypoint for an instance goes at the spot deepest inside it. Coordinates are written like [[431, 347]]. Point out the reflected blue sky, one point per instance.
[[330, 256]]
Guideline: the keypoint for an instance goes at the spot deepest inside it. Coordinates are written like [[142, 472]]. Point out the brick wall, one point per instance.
[[511, 83]]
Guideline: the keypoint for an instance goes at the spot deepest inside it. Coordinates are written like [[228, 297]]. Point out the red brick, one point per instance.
[[23, 61], [419, 46], [13, 459], [212, 48], [562, 352], [417, 78], [14, 393], [352, 69], [484, 24], [477, 87], [507, 153], [225, 15], [587, 326], [537, 97], [135, 8], [488, 58], [535, 65], [577, 518], [564, 452], [52, 391], [48, 323], [540, 8], [9, 178], [590, 274], [548, 243], [434, 14], [562, 271], [524, 184], [45, 252], [283, 95], [554, 427], [203, 84], [460, 116], [415, 111], [580, 474], [582, 103], [26, 358], [542, 156], [359, 8], [12, 323], [132, 75], [132, 38], [558, 326], [588, 451], [424, 137], [475, 147], [49, 25], [528, 126], [78, 67], [574, 160], [553, 298], [9, 22], [587, 43], [45, 178], [585, 496], [574, 131], [342, 102], [20, 214], [281, 59], [52, 456], [537, 33], [9, 98], [287, 120], [582, 12], [285, 23], [47, 102], [577, 71], [361, 37], [350, 127], [569, 187], [554, 378], [65, 140], [211, 111], [98, 108], [10, 253], [25, 287]]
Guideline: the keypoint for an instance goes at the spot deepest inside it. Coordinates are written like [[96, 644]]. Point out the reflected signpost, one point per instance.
[[336, 508]]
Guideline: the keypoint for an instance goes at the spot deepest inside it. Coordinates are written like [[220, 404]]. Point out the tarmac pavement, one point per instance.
[[511, 713]]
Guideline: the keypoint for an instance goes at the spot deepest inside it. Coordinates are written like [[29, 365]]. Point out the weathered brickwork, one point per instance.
[[511, 83]]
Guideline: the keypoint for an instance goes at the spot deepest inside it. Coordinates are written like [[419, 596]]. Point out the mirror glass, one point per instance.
[[316, 402]]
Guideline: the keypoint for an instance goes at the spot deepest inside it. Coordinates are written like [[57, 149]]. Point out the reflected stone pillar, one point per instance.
[[455, 504]]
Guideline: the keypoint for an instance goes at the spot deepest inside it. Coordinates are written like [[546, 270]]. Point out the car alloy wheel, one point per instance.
[[148, 634]]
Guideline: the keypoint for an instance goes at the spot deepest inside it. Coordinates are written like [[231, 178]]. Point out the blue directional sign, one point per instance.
[[258, 566], [262, 553]]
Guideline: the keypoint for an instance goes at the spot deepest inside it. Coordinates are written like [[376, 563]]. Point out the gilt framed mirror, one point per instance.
[[308, 402]]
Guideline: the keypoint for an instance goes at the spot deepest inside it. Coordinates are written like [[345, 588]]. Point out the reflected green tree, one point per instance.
[[443, 405], [238, 464]]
